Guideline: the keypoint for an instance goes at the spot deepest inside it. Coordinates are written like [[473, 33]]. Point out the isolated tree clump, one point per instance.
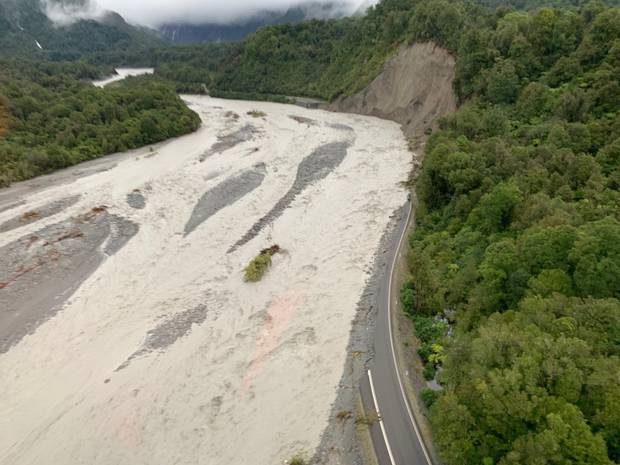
[[259, 265]]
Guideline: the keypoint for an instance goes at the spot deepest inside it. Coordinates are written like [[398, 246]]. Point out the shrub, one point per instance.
[[298, 459], [425, 351], [256, 113], [344, 415], [429, 396], [257, 268], [429, 371], [368, 419]]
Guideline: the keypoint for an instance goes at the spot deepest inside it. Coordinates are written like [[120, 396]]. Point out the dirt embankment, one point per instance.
[[414, 89]]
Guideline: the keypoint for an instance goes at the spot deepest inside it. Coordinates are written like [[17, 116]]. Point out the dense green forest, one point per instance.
[[23, 23], [50, 118], [517, 245]]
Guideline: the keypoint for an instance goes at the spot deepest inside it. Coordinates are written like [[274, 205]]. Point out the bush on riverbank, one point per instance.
[[259, 265]]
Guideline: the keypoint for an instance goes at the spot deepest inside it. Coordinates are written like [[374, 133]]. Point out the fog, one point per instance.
[[157, 12], [68, 11]]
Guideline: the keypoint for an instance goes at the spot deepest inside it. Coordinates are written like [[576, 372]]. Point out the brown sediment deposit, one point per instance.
[[414, 89]]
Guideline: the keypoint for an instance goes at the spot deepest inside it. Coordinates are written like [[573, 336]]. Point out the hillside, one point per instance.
[[50, 117], [56, 120], [4, 117], [184, 33], [516, 243], [26, 30], [414, 89], [338, 58], [329, 59]]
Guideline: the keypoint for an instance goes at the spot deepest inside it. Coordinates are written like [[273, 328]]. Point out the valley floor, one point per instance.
[[127, 333]]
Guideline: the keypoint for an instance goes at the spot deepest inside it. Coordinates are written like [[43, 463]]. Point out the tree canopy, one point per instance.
[[518, 227]]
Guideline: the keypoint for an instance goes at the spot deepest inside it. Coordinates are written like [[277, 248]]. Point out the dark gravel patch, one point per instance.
[[224, 194], [40, 271], [136, 200], [228, 141], [303, 120], [316, 166], [167, 333], [341, 127], [10, 206], [45, 211]]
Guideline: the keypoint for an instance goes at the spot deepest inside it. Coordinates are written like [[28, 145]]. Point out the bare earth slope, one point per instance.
[[133, 338], [414, 89]]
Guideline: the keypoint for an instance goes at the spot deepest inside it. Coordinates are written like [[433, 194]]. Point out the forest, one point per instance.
[[50, 118], [515, 259]]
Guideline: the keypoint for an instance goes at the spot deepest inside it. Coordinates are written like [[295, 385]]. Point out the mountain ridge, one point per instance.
[[183, 32], [27, 30]]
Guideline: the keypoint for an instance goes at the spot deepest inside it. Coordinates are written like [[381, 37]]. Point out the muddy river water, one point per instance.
[[127, 332]]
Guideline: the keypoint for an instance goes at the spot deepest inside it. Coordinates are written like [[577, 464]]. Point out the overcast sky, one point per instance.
[[157, 12]]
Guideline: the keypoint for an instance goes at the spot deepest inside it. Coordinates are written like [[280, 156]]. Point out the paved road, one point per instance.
[[396, 437]]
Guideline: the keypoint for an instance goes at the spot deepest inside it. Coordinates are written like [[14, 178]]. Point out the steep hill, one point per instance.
[[4, 117], [26, 30], [50, 116], [414, 89]]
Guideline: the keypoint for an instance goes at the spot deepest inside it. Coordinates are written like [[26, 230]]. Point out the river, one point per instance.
[[128, 334]]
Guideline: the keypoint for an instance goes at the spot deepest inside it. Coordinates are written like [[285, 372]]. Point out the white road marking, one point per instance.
[[400, 382], [374, 399]]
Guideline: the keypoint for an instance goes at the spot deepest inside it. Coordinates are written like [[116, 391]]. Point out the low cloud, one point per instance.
[[67, 12], [158, 12]]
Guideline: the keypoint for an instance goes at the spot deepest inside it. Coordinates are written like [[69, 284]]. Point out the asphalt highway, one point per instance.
[[396, 437]]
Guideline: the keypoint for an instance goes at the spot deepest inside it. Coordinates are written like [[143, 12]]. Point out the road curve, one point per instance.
[[396, 437]]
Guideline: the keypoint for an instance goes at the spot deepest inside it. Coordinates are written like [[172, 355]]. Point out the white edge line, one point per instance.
[[374, 399], [400, 382]]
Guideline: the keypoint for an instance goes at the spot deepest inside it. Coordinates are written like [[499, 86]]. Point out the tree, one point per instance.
[[453, 431], [503, 82], [420, 295], [595, 257], [494, 212], [563, 438], [551, 281]]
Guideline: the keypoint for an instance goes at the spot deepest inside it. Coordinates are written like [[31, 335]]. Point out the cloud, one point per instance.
[[158, 12], [67, 12]]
